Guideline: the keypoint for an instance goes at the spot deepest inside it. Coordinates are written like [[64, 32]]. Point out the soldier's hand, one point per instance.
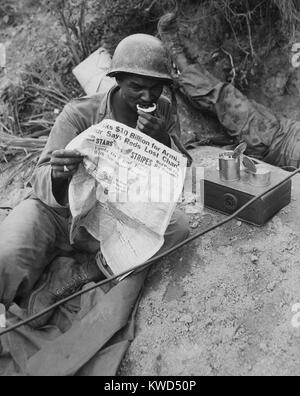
[[64, 163], [152, 126]]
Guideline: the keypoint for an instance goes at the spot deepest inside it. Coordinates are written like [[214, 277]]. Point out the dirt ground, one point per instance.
[[223, 305], [227, 303]]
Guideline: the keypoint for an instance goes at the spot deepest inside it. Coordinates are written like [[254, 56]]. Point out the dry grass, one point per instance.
[[28, 105], [25, 153]]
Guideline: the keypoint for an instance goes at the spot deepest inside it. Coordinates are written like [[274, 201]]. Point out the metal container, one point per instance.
[[261, 178], [229, 167]]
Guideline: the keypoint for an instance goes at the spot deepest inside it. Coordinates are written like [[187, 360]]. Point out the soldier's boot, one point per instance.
[[64, 277], [168, 31], [182, 55]]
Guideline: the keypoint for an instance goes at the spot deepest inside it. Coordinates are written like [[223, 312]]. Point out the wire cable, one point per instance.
[[151, 261]]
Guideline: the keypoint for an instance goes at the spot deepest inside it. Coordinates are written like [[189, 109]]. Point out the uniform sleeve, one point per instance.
[[165, 111], [172, 120], [64, 130], [174, 130]]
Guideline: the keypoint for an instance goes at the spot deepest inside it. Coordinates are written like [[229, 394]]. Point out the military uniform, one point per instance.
[[38, 229], [271, 139]]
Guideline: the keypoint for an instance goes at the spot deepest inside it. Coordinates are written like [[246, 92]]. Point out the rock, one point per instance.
[[271, 286], [190, 198], [263, 347], [192, 209], [209, 323], [217, 341], [239, 223], [144, 349], [254, 258], [194, 225], [186, 319]]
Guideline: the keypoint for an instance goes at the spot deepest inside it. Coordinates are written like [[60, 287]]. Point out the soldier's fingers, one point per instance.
[[144, 128], [146, 116], [142, 121], [57, 161], [140, 126], [149, 125], [65, 153]]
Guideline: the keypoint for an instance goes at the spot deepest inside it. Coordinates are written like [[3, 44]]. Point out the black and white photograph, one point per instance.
[[150, 191]]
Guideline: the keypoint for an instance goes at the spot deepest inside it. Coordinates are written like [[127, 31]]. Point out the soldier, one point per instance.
[[36, 233], [273, 140]]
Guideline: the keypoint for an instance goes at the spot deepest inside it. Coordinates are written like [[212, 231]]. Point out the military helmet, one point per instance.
[[143, 55]]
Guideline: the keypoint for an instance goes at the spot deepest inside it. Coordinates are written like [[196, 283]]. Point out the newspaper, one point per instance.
[[125, 192]]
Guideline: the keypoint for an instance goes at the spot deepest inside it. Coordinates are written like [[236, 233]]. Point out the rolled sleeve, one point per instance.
[[171, 120]]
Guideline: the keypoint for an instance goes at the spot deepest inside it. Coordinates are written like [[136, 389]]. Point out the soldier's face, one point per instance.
[[137, 90]]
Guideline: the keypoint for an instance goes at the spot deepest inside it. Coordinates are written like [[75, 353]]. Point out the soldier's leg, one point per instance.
[[29, 239], [168, 32], [242, 119], [177, 231]]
